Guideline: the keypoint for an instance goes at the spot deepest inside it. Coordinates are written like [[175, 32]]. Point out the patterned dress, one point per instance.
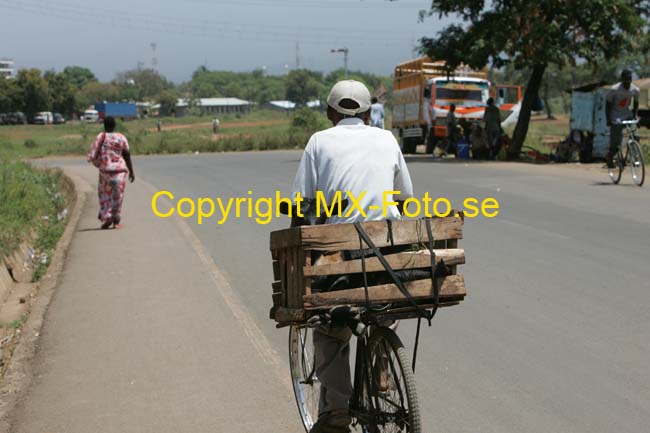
[[106, 154]]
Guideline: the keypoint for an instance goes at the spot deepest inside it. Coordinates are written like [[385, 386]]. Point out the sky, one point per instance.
[[237, 35]]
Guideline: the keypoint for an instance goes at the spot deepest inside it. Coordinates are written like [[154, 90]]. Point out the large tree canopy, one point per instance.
[[78, 76], [533, 34], [304, 85], [33, 92]]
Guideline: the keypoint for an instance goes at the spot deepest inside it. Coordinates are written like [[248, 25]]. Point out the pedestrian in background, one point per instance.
[[492, 118], [110, 154], [429, 115], [452, 130], [376, 113], [215, 126]]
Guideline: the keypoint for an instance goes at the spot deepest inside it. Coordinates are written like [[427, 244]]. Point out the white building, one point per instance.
[[290, 106], [214, 106], [7, 68]]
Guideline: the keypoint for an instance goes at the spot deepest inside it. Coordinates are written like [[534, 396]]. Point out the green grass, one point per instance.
[[31, 204], [33, 141], [15, 324]]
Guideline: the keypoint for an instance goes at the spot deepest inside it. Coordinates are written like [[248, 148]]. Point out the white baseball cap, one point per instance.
[[349, 89]]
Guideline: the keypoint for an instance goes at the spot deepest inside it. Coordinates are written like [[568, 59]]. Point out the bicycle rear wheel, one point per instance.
[[306, 386], [389, 394], [616, 172], [637, 165]]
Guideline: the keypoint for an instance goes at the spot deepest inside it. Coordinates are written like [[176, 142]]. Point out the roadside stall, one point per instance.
[[589, 131]]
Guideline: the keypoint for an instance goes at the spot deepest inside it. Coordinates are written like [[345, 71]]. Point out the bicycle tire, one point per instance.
[[616, 172], [306, 386], [637, 164], [402, 381]]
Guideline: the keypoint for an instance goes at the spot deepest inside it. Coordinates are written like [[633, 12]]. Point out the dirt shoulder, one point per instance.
[[146, 333]]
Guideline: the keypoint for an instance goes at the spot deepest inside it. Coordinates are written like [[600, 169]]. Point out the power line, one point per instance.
[[301, 4], [192, 26]]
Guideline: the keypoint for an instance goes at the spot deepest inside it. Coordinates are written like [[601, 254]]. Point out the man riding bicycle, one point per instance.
[[366, 162], [619, 99]]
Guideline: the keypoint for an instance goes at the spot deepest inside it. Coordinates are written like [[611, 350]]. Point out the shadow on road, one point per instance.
[[623, 185]]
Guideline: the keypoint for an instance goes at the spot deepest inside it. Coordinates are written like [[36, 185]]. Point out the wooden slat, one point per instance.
[[406, 260], [306, 257], [276, 270], [297, 288], [452, 243], [331, 237], [451, 286], [286, 238], [282, 314], [283, 279]]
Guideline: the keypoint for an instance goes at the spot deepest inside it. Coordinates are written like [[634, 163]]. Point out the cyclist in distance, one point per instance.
[[619, 99], [350, 156]]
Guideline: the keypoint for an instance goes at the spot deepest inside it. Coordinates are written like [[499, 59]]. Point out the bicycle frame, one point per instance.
[[631, 128], [363, 380]]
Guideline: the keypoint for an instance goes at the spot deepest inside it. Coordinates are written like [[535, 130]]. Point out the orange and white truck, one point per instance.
[[423, 87]]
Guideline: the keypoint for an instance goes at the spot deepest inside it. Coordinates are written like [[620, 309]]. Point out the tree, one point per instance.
[[62, 93], [533, 34], [167, 100], [141, 84], [303, 86], [95, 92], [33, 92], [78, 76], [9, 95]]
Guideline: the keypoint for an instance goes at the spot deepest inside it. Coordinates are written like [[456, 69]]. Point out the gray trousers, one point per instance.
[[615, 138], [332, 359]]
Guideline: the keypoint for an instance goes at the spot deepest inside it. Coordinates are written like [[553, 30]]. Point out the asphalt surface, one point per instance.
[[553, 336]]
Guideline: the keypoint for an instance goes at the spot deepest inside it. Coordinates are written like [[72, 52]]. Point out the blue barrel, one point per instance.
[[462, 150]]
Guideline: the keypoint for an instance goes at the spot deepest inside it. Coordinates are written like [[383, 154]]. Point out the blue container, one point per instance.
[[124, 110], [462, 150]]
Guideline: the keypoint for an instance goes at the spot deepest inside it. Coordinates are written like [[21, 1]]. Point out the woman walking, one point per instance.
[[110, 154]]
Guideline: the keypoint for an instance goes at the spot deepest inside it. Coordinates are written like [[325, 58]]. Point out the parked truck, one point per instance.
[[422, 85], [119, 110]]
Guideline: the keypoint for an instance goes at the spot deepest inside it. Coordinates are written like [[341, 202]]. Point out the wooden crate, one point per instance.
[[293, 270]]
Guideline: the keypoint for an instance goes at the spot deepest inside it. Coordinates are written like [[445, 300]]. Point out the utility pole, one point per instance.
[[345, 52], [297, 54], [154, 58]]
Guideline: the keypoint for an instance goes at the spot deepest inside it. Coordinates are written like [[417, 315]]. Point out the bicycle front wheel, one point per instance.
[[306, 386], [637, 165], [616, 172], [391, 399]]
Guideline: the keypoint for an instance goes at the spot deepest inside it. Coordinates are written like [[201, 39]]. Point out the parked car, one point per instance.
[[15, 118], [58, 119], [91, 116], [43, 118]]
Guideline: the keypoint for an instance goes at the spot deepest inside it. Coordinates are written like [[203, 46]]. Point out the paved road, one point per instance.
[[553, 336]]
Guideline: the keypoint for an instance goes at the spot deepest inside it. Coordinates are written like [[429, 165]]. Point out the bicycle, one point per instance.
[[629, 152], [384, 397]]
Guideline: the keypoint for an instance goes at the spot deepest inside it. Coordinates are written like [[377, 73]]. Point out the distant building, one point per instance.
[[289, 106], [214, 106], [7, 68]]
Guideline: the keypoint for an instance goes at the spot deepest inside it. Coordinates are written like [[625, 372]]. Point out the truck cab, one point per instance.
[[424, 89]]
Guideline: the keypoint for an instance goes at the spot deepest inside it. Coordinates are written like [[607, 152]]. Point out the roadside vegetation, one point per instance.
[[32, 206], [260, 130]]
